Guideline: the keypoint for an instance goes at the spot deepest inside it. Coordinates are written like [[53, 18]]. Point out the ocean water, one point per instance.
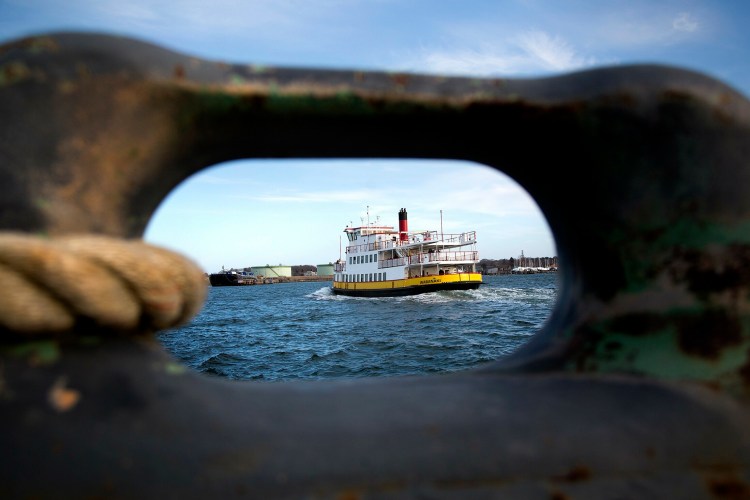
[[303, 331]]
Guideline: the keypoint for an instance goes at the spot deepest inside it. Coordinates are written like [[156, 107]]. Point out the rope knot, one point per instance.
[[53, 286]]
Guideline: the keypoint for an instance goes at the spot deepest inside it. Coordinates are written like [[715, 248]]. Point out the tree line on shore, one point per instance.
[[484, 266]]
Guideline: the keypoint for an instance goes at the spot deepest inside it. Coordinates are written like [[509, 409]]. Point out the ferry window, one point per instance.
[[370, 278]]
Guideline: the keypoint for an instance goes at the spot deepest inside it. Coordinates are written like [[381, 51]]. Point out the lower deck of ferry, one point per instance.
[[409, 286]]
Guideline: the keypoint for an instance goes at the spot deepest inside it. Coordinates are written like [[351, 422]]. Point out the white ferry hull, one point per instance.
[[410, 286]]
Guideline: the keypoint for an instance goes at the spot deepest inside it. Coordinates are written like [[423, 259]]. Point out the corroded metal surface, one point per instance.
[[636, 387]]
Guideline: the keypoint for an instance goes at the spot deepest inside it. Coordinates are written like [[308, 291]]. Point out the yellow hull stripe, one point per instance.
[[410, 282]]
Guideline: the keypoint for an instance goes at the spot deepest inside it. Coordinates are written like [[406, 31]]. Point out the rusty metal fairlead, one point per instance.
[[637, 386]]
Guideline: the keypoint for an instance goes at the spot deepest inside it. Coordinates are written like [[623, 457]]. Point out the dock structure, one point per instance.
[[637, 386]]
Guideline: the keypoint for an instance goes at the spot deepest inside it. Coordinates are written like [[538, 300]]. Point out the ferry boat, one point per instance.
[[381, 261]]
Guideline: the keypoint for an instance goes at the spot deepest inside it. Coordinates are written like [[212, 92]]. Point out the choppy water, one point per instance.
[[301, 330]]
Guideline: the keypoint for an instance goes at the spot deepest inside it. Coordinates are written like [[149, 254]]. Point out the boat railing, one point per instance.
[[369, 247], [421, 237], [436, 237], [425, 257], [385, 263], [463, 238]]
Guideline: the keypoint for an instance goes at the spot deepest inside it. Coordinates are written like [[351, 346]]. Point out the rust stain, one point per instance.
[[558, 495], [348, 495], [42, 44], [728, 488], [712, 272], [61, 397], [706, 335], [744, 371], [400, 79], [14, 72], [577, 474]]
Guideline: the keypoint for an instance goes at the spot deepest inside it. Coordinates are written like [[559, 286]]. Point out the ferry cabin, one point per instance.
[[386, 262]]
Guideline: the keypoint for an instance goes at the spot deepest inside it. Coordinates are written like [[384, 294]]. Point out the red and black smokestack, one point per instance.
[[403, 225]]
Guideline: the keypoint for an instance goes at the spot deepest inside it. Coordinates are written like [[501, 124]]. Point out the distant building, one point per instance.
[[273, 271], [325, 269]]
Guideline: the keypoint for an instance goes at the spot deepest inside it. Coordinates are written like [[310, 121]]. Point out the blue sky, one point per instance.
[[258, 212]]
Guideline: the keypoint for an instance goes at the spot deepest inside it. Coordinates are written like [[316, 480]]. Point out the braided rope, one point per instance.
[[50, 286]]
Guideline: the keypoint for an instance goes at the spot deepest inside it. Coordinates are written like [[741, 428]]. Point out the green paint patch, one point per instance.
[[42, 203], [235, 79], [680, 344], [174, 369], [42, 44], [37, 353], [647, 250]]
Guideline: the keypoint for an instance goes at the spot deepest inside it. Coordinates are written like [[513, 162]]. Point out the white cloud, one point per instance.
[[471, 62], [653, 27], [552, 53], [532, 51], [314, 197], [684, 22]]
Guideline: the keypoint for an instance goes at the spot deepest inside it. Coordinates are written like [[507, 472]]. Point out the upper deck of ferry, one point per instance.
[[369, 238]]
